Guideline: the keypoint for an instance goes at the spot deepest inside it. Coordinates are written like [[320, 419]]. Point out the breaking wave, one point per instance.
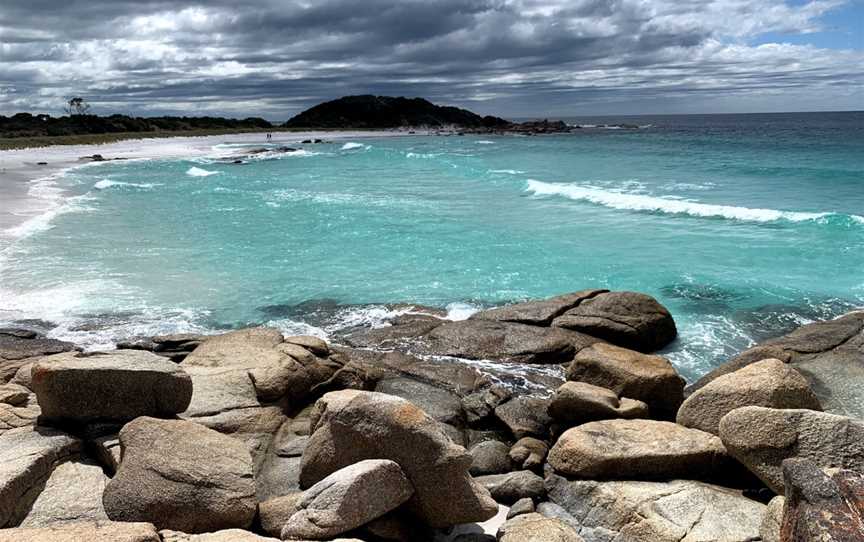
[[198, 172], [353, 146], [645, 203], [105, 184]]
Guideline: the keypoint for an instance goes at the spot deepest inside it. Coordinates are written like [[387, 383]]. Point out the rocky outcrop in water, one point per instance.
[[254, 436], [830, 355]]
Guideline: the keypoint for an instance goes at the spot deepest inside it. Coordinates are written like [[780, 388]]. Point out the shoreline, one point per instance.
[[21, 169]]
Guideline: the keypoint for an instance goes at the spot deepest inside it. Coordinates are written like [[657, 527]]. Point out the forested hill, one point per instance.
[[369, 111], [27, 125]]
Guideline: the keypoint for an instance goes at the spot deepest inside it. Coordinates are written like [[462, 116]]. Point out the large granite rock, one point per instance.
[[537, 313], [401, 333], [15, 413], [479, 407], [536, 528], [115, 386], [503, 341], [278, 472], [575, 403], [674, 511], [627, 319], [255, 427], [525, 416], [822, 505], [274, 513], [761, 438], [183, 476], [512, 486], [224, 399], [279, 370], [27, 458], [174, 347], [458, 378], [636, 449], [650, 379], [830, 355], [20, 346], [770, 529], [217, 390], [350, 426], [73, 493], [348, 499], [235, 375], [225, 535], [529, 453], [768, 383], [103, 531], [443, 405], [521, 507], [489, 457]]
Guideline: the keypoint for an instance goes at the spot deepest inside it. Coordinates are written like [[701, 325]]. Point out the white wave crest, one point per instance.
[[352, 146], [105, 184], [198, 172], [484, 142], [460, 311], [290, 195], [507, 171], [278, 155], [641, 202]]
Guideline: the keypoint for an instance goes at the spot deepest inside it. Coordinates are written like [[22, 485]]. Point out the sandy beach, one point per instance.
[[22, 200]]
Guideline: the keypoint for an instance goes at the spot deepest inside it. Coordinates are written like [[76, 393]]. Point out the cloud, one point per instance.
[[517, 57]]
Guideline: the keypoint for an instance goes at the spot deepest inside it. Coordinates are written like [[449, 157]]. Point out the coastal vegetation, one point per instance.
[[25, 130], [81, 127]]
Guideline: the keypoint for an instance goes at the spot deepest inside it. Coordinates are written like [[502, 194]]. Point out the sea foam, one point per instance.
[[352, 146], [105, 184], [198, 172], [641, 202]]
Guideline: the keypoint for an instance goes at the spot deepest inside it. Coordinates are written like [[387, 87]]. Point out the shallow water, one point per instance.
[[744, 226]]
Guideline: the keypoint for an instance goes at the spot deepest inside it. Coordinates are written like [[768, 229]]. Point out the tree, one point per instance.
[[77, 106]]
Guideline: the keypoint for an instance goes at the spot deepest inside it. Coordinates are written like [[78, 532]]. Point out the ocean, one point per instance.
[[744, 226]]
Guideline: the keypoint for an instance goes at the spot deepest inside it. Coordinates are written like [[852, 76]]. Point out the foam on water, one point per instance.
[[199, 172], [461, 311], [54, 203], [291, 195], [507, 171], [640, 202], [105, 184], [350, 146]]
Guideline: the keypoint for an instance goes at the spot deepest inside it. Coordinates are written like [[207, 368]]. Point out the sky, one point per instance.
[[512, 58]]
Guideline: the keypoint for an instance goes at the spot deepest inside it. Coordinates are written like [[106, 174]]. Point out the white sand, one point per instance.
[[27, 200]]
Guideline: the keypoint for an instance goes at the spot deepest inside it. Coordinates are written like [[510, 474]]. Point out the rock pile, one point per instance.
[[389, 437]]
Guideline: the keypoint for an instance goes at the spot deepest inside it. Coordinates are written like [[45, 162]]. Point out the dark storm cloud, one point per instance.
[[274, 57]]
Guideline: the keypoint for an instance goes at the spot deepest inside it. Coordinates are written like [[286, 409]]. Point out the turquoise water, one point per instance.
[[744, 226]]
